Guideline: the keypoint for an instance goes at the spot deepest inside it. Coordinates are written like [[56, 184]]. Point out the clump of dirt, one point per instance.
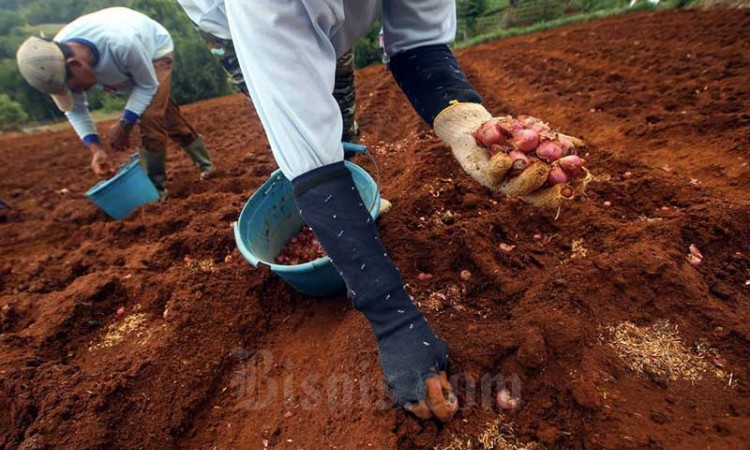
[[234, 358]]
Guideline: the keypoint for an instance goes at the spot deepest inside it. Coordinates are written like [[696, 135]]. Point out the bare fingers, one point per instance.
[[441, 402], [419, 409], [440, 398]]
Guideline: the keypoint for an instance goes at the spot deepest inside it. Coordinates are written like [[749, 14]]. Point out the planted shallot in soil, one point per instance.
[[424, 276], [465, 275], [505, 400], [694, 260], [300, 248], [695, 257]]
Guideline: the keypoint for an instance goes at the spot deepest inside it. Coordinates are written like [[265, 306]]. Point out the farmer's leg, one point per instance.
[[223, 50], [153, 127], [345, 95], [176, 126], [180, 131]]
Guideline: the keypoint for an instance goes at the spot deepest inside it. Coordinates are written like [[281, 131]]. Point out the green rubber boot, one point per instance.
[[199, 154], [155, 164]]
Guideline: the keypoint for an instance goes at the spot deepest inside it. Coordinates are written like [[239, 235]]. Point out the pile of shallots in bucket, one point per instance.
[[300, 248]]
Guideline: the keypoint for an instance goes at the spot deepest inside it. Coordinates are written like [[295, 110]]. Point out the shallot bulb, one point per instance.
[[515, 155], [505, 400], [572, 165], [525, 140], [556, 176], [549, 151], [520, 162], [694, 260], [489, 134]]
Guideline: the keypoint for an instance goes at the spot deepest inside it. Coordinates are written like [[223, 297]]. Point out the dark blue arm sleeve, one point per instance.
[[431, 78]]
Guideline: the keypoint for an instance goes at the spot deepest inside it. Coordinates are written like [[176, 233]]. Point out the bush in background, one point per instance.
[[11, 112]]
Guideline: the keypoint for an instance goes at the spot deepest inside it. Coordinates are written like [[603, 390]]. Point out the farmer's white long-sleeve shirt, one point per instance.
[[287, 50], [124, 43]]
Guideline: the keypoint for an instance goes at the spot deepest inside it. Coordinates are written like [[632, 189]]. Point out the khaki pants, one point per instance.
[[162, 119]]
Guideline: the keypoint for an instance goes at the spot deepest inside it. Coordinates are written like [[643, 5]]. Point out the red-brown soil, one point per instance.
[[664, 96]]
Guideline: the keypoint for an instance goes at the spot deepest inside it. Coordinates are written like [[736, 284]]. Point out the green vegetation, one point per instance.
[[11, 112], [42, 29], [486, 20], [554, 23]]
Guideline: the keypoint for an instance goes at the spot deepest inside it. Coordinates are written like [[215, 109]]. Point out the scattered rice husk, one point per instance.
[[659, 351], [497, 436], [133, 324], [577, 250]]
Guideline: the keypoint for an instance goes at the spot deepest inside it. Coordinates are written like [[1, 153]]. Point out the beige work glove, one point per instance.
[[456, 125]]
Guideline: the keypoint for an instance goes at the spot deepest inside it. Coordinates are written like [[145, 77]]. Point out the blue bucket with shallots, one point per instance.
[[124, 192], [270, 218]]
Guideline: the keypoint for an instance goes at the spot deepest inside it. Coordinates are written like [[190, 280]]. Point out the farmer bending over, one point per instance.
[[287, 50], [121, 51], [219, 41]]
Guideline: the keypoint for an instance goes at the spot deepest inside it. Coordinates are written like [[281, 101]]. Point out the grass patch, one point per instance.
[[49, 30], [98, 116], [555, 23]]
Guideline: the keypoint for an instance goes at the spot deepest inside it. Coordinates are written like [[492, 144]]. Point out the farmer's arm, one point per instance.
[[83, 124], [137, 62], [416, 36], [80, 118]]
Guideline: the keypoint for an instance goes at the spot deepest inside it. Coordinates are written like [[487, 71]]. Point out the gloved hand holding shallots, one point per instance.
[[521, 157]]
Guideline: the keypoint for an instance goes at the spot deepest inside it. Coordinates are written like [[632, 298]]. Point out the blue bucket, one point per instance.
[[270, 218], [124, 192]]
